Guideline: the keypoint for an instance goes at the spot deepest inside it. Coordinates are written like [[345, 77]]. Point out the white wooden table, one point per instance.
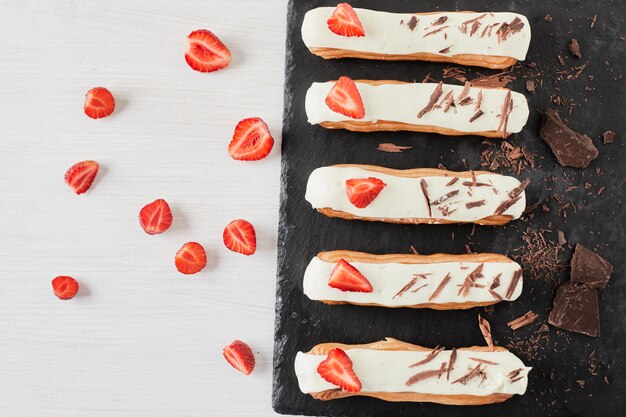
[[140, 339]]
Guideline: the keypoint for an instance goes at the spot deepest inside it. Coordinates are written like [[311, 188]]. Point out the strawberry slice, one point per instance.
[[251, 141], [80, 176], [190, 258], [344, 98], [362, 191], [345, 22], [337, 369], [205, 52], [240, 236], [155, 217], [240, 356], [64, 287], [99, 103], [346, 277]]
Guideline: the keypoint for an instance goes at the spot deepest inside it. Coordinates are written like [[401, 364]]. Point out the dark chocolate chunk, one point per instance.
[[575, 308], [590, 268], [608, 137], [574, 48], [570, 148]]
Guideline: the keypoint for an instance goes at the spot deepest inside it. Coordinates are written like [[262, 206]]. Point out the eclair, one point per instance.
[[484, 39], [388, 105], [392, 370], [440, 281], [413, 196]]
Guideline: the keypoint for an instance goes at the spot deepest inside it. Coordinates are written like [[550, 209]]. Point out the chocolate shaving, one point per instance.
[[496, 282], [530, 86], [420, 376], [440, 287], [548, 18], [412, 22], [495, 294], [432, 100], [390, 147], [574, 48], [419, 288], [470, 280], [472, 204], [508, 29], [479, 100], [470, 375], [405, 288], [562, 239], [449, 100], [467, 100], [465, 92], [444, 197], [504, 113], [432, 355], [432, 32], [485, 361], [514, 197], [485, 329], [451, 364], [474, 28], [455, 72], [463, 27], [498, 80], [452, 181], [424, 186], [516, 277], [445, 50], [570, 148], [522, 321], [440, 21], [476, 115], [515, 373]]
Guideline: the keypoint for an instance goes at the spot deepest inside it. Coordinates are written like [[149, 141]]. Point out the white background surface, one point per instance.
[[140, 339]]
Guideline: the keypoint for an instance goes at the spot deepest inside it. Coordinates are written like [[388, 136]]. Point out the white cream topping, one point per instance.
[[403, 197], [403, 102], [390, 279], [389, 371], [390, 33]]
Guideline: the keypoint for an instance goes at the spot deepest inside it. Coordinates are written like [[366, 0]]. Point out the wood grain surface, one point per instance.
[[140, 339]]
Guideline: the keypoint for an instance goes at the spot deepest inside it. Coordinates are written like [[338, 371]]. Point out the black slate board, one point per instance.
[[597, 223]]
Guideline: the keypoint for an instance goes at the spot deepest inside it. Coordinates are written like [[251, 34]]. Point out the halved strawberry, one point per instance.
[[190, 258], [344, 98], [155, 217], [99, 103], [345, 22], [205, 52], [80, 176], [337, 369], [240, 356], [251, 141], [362, 191], [64, 287], [240, 236], [346, 277]]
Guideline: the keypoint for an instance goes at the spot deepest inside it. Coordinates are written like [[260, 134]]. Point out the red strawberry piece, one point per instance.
[[251, 141], [99, 103], [240, 356], [240, 236], [205, 52], [344, 98], [155, 217], [190, 258], [345, 22], [346, 277], [337, 369], [80, 176], [64, 287], [362, 191]]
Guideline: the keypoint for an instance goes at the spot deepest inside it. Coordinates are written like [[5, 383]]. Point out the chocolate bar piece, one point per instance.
[[590, 268], [575, 308], [570, 148]]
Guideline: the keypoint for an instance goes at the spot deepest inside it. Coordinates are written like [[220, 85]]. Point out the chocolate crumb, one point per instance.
[[561, 59], [608, 137], [530, 86], [570, 148], [561, 236], [522, 321], [390, 147], [574, 48], [548, 18], [593, 21]]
